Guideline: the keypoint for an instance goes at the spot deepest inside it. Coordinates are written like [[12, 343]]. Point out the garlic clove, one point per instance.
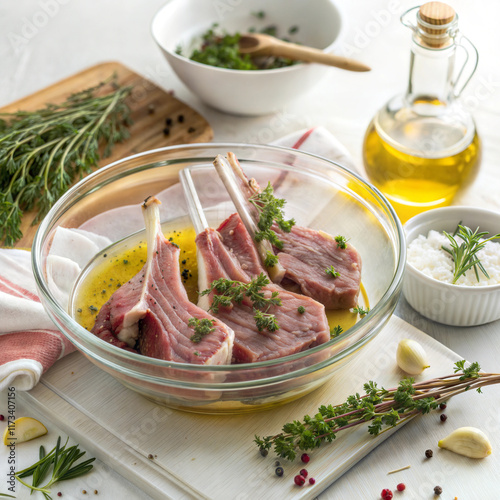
[[467, 441], [411, 357]]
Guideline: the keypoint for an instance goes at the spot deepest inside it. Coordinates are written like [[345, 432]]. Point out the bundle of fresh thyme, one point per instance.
[[229, 291], [383, 408], [42, 152]]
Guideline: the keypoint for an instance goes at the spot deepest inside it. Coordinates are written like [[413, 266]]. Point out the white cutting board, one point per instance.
[[214, 457]]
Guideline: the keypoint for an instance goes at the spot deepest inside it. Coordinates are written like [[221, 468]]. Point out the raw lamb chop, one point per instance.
[[306, 253], [239, 261], [152, 312]]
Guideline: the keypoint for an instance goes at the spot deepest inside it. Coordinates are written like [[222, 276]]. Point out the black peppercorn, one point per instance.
[[168, 122], [443, 418], [279, 471], [428, 453], [438, 490], [180, 118], [166, 131], [264, 452]]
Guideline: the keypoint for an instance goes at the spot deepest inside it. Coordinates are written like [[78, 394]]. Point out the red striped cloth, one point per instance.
[[29, 342]]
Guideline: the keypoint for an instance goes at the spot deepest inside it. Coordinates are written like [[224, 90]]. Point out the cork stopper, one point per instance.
[[435, 20]]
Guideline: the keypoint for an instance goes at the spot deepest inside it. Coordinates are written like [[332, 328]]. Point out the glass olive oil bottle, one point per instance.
[[422, 148]]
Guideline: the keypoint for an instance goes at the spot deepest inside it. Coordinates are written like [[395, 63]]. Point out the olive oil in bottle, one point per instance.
[[422, 148]]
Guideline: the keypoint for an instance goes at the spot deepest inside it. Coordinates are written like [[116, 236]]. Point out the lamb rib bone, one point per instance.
[[153, 311]]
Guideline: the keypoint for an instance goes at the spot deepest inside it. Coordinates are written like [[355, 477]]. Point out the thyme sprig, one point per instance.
[[229, 291], [465, 255], [62, 460], [270, 211], [42, 152], [383, 408]]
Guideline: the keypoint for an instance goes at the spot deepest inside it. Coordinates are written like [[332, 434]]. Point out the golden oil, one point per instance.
[[415, 183]]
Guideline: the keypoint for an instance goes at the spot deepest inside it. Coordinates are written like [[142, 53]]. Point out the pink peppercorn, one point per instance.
[[303, 472], [305, 458], [401, 487], [2, 418], [312, 480], [386, 494], [299, 480]]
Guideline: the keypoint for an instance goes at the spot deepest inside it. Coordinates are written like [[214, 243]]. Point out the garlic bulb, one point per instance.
[[411, 357], [467, 441]]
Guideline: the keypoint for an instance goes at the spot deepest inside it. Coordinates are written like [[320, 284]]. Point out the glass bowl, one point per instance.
[[319, 193]]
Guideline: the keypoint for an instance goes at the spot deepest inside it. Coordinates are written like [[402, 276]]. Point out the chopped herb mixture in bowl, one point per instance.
[[221, 49], [206, 59], [102, 214]]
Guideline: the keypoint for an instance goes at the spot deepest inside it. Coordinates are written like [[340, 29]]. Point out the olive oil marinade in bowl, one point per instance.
[[319, 194]]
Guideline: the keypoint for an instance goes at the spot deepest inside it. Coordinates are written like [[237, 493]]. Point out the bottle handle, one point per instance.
[[471, 62], [406, 17]]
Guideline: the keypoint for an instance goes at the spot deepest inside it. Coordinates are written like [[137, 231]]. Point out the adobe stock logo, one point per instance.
[[32, 25]]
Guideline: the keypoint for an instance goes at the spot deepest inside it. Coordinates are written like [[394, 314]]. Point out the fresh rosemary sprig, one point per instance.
[[270, 211], [42, 152], [465, 255], [62, 460], [229, 291], [382, 408], [202, 327]]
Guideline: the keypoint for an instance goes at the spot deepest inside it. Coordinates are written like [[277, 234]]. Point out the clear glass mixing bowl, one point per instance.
[[320, 193]]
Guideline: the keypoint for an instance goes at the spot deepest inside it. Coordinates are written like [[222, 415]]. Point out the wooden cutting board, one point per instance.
[[150, 107]]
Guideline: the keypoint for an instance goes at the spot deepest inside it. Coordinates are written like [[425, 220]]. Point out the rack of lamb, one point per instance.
[[151, 314], [323, 267]]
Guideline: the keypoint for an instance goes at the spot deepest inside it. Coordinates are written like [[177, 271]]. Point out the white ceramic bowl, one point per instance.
[[246, 92], [455, 305]]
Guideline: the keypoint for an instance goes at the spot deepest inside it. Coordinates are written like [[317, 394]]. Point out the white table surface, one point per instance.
[[80, 33]]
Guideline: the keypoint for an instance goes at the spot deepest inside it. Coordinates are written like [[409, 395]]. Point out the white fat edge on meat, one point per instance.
[[130, 327], [228, 170]]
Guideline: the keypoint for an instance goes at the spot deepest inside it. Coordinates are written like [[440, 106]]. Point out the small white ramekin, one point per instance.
[[455, 305]]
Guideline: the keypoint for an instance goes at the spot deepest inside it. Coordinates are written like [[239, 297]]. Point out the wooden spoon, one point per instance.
[[259, 44]]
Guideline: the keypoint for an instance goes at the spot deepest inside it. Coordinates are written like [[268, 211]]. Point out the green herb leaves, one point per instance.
[[229, 291], [465, 255], [202, 327], [265, 321], [270, 211], [360, 310], [382, 408], [336, 331], [331, 271], [62, 461], [42, 152], [341, 242]]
